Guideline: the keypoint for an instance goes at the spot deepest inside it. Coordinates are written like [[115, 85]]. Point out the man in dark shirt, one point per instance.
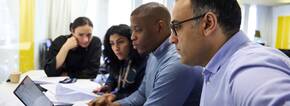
[[76, 55]]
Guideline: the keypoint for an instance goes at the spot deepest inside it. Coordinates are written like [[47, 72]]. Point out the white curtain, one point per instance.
[[9, 28], [62, 13], [78, 8], [59, 17]]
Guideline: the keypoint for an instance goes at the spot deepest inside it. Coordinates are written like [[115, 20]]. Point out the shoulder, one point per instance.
[[95, 43], [254, 62], [61, 38], [170, 58], [260, 70], [59, 41], [259, 56], [180, 70], [179, 73], [96, 39]]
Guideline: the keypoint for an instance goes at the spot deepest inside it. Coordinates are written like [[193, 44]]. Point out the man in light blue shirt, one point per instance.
[[166, 82], [237, 72]]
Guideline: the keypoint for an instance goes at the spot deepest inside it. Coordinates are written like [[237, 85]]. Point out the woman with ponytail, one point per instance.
[[76, 55]]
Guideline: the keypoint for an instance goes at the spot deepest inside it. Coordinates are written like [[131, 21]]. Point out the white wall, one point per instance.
[[266, 20], [278, 11], [264, 23]]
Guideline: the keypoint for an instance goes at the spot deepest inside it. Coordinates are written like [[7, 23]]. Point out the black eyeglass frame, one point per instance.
[[175, 24]]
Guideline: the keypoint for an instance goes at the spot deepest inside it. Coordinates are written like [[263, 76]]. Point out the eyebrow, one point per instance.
[[117, 39], [85, 33]]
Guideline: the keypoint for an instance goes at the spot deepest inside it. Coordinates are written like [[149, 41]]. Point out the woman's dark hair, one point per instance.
[[110, 58], [80, 21]]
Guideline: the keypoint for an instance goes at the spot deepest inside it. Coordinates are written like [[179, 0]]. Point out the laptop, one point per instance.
[[30, 95]]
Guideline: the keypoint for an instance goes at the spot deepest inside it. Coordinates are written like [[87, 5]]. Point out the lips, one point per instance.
[[135, 45], [84, 44], [118, 53], [178, 50]]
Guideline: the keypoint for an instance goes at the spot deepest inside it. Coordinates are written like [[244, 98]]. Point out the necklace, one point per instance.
[[122, 79]]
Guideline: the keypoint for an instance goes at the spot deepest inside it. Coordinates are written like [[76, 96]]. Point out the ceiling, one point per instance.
[[265, 2]]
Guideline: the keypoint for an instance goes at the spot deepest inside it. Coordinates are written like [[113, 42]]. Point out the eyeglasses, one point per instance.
[[177, 25]]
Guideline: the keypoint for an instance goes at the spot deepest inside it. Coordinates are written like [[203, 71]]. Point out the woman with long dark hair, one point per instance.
[[125, 65]]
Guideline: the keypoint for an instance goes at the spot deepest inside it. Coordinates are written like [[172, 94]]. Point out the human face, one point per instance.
[[83, 35], [120, 46], [187, 36], [144, 35]]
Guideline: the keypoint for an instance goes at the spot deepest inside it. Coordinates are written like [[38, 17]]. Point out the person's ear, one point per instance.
[[160, 25], [72, 30], [70, 27], [209, 24]]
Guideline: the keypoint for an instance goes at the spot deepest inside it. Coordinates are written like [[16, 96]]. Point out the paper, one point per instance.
[[71, 93], [48, 80]]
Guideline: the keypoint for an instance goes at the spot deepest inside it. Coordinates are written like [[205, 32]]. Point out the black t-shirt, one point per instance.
[[79, 63]]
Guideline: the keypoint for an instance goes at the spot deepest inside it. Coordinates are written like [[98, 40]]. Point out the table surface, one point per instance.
[[7, 98]]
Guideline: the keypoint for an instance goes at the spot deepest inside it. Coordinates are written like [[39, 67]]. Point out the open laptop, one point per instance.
[[31, 95]]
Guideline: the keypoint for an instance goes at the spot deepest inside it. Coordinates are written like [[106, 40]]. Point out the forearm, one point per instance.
[[50, 67], [60, 57], [135, 99], [115, 104]]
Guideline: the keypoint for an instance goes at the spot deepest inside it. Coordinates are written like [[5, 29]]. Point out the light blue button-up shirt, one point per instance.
[[166, 81], [243, 73]]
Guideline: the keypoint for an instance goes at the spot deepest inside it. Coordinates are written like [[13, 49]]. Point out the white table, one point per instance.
[[7, 98]]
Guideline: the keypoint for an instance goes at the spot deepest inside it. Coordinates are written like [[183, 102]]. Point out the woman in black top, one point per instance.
[[125, 65], [76, 55]]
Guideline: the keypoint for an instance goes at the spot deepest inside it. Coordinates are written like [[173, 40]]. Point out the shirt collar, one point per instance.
[[162, 48], [225, 52]]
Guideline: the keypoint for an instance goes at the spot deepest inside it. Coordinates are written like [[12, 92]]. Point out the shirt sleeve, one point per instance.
[[50, 61], [172, 87], [261, 85]]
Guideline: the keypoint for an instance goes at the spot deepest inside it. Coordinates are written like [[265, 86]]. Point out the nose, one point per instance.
[[85, 39], [133, 37], [116, 47], [173, 39]]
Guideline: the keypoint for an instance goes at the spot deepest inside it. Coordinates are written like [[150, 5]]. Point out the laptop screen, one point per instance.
[[30, 94]]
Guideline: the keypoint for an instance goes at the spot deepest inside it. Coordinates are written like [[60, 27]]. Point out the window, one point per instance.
[[9, 12]]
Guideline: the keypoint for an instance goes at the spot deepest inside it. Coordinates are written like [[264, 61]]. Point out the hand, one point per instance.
[[71, 42], [104, 89], [105, 100]]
